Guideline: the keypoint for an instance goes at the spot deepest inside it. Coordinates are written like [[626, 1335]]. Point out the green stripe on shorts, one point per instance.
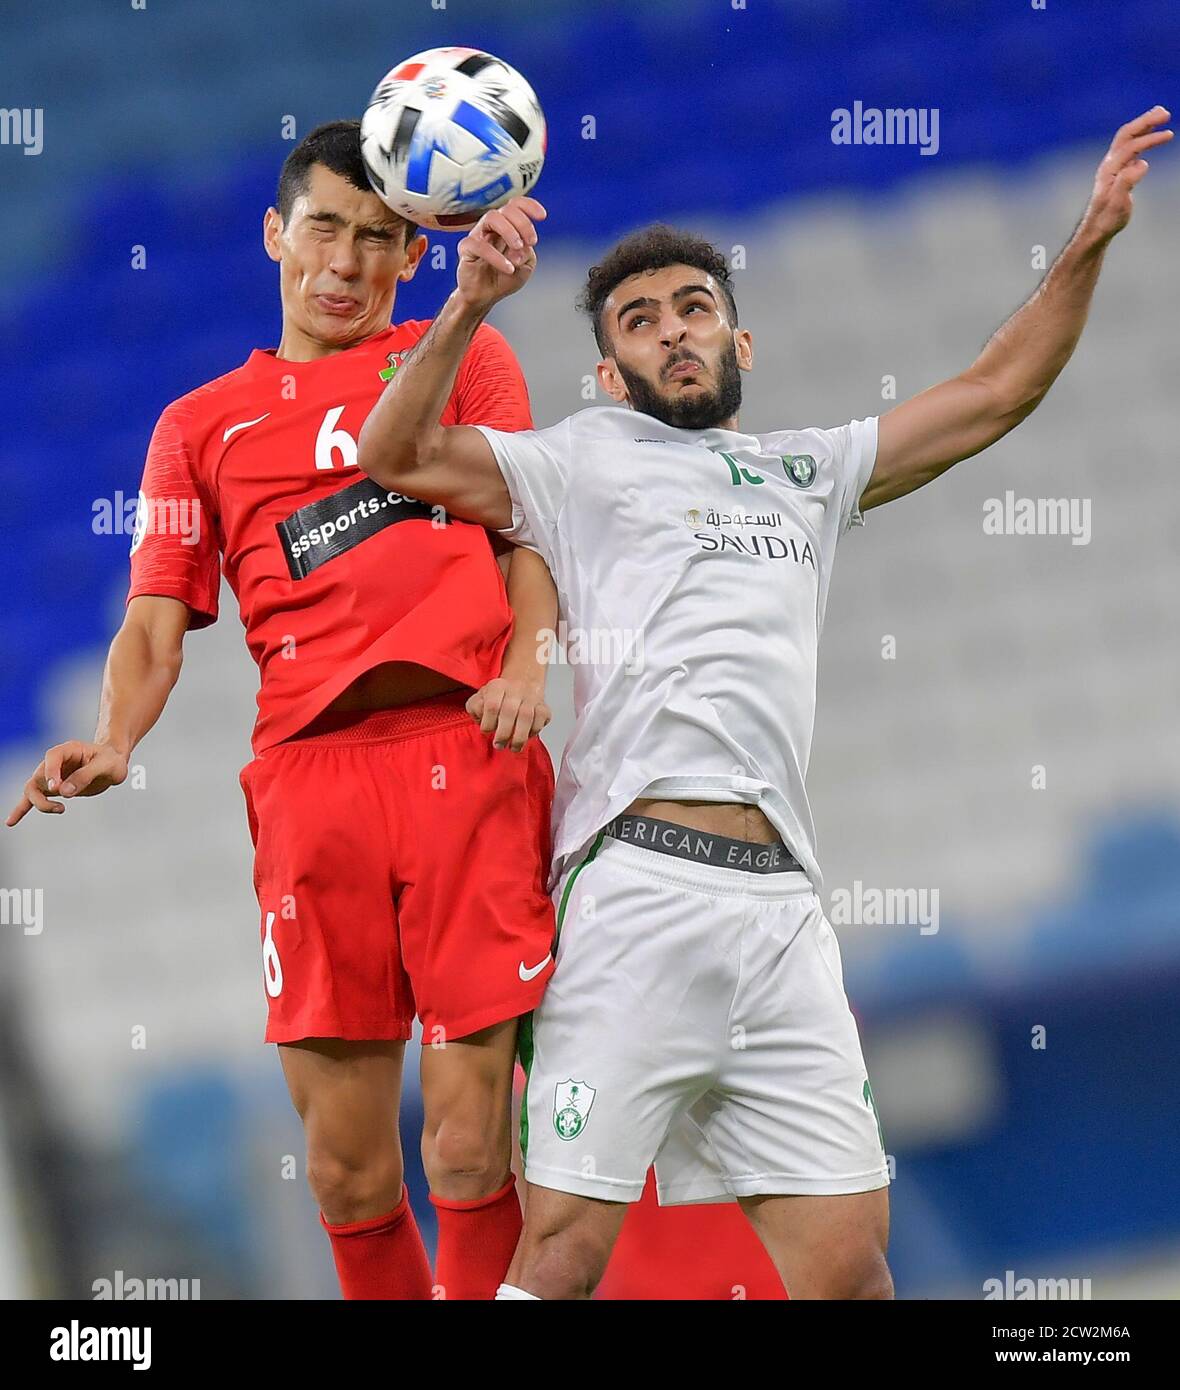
[[524, 1040]]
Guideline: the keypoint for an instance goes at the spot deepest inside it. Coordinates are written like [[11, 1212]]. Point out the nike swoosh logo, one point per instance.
[[527, 974], [245, 425]]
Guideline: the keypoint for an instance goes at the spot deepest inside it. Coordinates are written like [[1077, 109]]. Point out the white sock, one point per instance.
[[508, 1291]]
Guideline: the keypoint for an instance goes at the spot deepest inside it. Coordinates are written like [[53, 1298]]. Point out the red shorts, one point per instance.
[[400, 865]]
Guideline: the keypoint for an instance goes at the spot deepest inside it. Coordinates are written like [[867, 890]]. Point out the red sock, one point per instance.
[[383, 1257], [476, 1242]]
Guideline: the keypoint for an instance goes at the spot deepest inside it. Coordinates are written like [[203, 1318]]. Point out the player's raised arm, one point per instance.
[[402, 446], [923, 437]]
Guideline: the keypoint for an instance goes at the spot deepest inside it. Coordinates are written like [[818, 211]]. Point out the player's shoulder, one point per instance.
[[584, 427], [191, 413], [611, 421], [820, 440]]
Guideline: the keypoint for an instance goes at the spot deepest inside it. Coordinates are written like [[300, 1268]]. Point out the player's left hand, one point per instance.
[[513, 711], [1109, 209], [498, 256]]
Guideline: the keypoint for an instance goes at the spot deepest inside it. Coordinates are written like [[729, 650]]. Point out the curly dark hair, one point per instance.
[[651, 248]]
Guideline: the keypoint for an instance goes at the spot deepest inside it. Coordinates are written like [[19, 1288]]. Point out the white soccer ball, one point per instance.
[[451, 133]]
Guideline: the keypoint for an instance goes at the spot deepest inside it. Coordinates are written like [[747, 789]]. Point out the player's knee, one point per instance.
[[863, 1277], [566, 1264], [353, 1188], [875, 1279], [458, 1150], [852, 1274]]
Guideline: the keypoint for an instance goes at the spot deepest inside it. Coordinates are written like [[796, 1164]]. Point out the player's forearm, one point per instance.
[[139, 676], [1025, 356], [403, 427], [533, 599]]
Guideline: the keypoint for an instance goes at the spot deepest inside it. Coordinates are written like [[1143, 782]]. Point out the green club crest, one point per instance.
[[571, 1107], [395, 361], [800, 468]]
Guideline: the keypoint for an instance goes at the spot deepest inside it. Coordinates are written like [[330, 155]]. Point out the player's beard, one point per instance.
[[702, 410]]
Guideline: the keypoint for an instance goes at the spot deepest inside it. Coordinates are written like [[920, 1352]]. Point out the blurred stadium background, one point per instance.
[[1058, 905]]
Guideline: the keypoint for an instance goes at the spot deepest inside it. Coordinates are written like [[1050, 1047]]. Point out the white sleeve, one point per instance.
[[855, 446], [535, 468]]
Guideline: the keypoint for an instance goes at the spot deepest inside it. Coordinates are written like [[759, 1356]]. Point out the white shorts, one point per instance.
[[696, 1018]]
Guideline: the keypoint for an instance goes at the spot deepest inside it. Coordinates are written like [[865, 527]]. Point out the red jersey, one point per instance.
[[333, 574]]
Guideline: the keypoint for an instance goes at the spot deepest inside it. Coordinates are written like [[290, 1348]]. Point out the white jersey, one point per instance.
[[693, 570]]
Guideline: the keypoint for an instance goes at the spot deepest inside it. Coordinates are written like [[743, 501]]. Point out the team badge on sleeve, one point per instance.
[[800, 468], [571, 1107]]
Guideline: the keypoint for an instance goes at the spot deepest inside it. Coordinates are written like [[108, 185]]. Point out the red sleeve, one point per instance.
[[490, 388], [174, 548]]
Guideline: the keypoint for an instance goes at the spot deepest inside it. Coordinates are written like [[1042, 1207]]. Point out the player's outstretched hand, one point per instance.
[[69, 770], [511, 710], [499, 254], [1109, 209]]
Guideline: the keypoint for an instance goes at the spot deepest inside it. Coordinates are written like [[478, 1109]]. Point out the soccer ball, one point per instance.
[[451, 133]]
